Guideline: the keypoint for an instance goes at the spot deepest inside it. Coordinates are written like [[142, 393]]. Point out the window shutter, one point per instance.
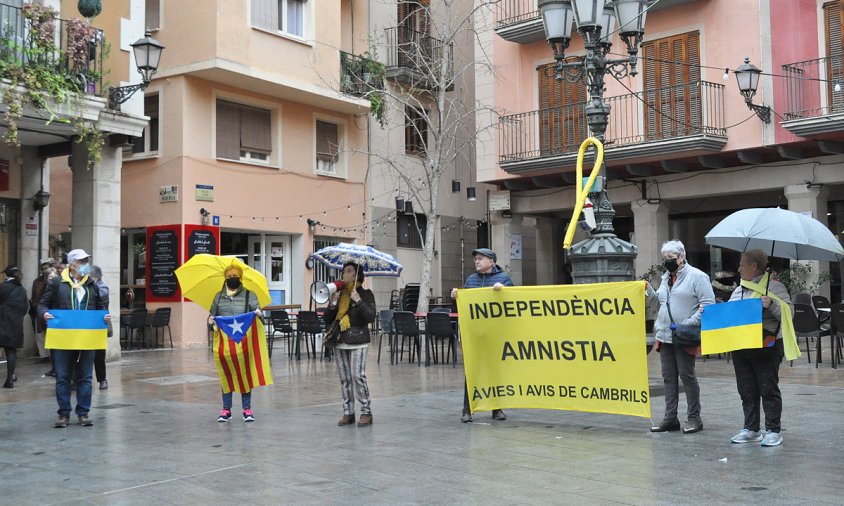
[[228, 130], [834, 54], [153, 14], [255, 130], [562, 123], [673, 105], [328, 144], [265, 15]]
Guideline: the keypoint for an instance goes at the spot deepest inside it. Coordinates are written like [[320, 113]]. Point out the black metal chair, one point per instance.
[[837, 329], [438, 326], [802, 298], [410, 297], [308, 325], [406, 327], [137, 322], [385, 326], [806, 325], [822, 308], [160, 321], [280, 322]]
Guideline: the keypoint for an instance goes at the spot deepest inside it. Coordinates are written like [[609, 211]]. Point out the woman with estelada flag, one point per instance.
[[239, 346]]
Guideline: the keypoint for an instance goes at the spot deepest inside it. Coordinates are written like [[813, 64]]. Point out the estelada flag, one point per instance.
[[731, 326], [240, 352], [76, 329]]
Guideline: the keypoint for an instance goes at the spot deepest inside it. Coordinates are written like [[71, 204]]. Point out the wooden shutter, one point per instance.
[[265, 15], [328, 144], [153, 14], [255, 130], [562, 123], [834, 54], [671, 86], [228, 130]]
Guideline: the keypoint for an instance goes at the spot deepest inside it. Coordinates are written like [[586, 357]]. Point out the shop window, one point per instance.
[[243, 133]]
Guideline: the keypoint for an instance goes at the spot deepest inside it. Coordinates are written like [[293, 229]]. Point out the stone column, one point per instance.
[[811, 200], [30, 170], [500, 230], [650, 225], [547, 251], [96, 222]]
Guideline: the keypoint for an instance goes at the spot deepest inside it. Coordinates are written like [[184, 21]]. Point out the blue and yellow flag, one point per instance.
[[731, 326], [76, 330]]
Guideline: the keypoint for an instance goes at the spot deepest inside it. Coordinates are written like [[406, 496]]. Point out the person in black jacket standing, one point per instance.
[[74, 290], [354, 310], [13, 309]]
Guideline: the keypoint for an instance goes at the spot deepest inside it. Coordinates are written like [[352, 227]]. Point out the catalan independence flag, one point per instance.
[[731, 326], [240, 352], [76, 330]]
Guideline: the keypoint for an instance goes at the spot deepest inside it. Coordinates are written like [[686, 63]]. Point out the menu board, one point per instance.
[[201, 239], [163, 257]]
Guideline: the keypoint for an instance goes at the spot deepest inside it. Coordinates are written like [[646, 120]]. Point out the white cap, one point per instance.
[[77, 255]]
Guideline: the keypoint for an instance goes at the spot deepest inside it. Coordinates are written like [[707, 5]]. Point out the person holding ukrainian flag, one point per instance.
[[76, 317], [757, 369]]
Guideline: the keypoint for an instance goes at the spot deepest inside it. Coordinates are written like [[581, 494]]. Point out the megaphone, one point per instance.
[[322, 291]]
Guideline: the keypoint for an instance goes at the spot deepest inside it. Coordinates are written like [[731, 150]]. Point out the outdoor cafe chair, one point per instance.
[[806, 324], [438, 326], [280, 322], [160, 321], [822, 307], [388, 327], [406, 327], [308, 325], [837, 329], [137, 322]]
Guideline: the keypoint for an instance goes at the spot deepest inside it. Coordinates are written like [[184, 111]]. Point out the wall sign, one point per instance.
[[201, 239], [168, 194], [163, 257], [205, 192], [499, 200]]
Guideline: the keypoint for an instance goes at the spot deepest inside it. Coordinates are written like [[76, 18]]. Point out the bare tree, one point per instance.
[[425, 99]]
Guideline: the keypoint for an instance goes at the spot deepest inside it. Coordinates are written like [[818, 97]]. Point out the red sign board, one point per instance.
[[201, 239], [164, 248]]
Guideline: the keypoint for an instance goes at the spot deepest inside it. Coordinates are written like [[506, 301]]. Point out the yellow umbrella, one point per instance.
[[203, 276]]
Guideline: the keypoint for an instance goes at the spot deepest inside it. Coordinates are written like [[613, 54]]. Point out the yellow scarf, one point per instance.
[[343, 306], [66, 277], [789, 336]]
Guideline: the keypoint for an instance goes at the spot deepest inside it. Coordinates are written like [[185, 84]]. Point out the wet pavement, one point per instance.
[[155, 440]]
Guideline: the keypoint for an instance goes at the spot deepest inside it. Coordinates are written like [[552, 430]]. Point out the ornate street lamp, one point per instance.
[[747, 76], [147, 53], [603, 257]]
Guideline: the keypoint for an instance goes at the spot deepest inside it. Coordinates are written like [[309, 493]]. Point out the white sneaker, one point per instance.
[[746, 436], [771, 439]]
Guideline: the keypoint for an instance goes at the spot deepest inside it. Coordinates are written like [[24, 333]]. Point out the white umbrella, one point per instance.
[[779, 233]]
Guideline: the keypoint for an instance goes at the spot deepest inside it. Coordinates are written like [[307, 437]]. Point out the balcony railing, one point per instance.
[[810, 88], [513, 12], [417, 58], [68, 48], [650, 116], [359, 75]]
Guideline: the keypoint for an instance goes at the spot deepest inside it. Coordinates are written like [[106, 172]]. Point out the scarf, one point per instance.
[[77, 287], [343, 306], [789, 336]]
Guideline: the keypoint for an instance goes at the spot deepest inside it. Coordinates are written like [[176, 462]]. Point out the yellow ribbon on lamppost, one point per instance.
[[580, 195]]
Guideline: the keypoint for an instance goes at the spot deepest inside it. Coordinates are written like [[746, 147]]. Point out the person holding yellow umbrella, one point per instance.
[[233, 293]]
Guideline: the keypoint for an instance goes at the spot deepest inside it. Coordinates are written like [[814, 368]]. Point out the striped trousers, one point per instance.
[[351, 366]]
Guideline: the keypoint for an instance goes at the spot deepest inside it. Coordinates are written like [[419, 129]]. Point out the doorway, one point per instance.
[[270, 255]]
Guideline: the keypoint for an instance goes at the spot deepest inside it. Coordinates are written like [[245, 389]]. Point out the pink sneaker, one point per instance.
[[247, 415], [225, 415]]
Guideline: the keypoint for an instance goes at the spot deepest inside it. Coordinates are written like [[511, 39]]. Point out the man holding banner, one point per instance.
[[487, 274], [757, 369], [76, 319]]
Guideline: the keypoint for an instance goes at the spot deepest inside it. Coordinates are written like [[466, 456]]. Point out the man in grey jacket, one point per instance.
[[683, 292]]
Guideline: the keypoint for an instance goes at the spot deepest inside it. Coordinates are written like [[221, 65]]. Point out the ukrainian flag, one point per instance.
[[731, 326], [76, 330]]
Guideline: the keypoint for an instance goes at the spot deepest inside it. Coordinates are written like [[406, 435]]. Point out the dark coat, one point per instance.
[[361, 314], [59, 295], [13, 308]]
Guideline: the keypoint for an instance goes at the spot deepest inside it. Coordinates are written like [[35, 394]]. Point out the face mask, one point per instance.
[[233, 283], [84, 269], [670, 264]]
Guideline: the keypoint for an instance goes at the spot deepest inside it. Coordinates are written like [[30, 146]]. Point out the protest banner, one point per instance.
[[568, 347]]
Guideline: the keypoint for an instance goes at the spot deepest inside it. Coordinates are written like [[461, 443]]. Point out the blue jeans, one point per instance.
[[65, 365], [246, 399]]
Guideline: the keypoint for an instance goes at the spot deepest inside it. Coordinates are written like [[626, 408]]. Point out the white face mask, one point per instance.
[[84, 269]]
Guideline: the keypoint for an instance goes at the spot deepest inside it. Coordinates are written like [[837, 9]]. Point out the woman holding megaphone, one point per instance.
[[353, 307]]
